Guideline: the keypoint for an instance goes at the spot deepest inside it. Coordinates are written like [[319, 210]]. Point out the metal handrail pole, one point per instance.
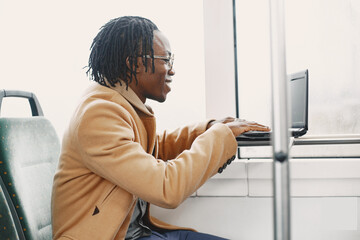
[[280, 122]]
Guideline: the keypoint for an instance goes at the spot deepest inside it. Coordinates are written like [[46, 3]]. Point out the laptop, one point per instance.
[[299, 94]]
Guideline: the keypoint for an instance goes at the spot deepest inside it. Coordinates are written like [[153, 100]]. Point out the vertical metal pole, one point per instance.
[[280, 122]]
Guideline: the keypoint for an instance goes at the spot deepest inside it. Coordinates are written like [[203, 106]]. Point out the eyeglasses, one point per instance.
[[168, 59]]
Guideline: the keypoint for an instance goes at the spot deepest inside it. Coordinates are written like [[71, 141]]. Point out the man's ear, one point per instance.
[[132, 67]]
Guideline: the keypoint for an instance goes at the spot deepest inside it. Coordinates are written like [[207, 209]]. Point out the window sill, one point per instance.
[[329, 146]]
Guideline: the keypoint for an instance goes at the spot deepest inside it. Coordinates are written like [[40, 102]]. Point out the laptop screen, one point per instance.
[[299, 99]]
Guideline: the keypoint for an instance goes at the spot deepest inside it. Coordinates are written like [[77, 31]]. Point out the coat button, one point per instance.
[[229, 161]]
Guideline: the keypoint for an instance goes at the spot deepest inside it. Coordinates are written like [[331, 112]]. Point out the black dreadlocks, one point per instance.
[[121, 38]]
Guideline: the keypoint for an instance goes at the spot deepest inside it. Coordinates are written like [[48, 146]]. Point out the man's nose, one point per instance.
[[172, 71]]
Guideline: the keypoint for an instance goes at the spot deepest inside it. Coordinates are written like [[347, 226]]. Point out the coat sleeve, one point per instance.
[[171, 144], [107, 144]]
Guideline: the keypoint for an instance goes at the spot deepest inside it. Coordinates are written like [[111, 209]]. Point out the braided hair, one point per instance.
[[118, 40]]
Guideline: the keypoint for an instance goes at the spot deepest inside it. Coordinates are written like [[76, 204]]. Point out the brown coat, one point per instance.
[[111, 155]]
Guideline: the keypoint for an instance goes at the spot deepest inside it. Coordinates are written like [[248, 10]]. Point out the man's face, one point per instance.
[[155, 85]]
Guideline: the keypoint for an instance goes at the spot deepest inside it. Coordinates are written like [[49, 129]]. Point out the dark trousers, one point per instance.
[[180, 235]]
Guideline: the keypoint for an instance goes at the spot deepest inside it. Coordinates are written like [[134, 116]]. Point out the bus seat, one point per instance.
[[29, 151], [7, 226]]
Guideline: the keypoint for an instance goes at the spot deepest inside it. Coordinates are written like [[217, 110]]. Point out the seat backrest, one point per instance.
[[29, 151]]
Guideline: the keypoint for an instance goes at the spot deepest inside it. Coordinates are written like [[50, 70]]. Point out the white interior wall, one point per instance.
[[246, 218], [45, 46]]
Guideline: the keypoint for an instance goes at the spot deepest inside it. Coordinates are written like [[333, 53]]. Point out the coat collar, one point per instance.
[[134, 100], [149, 122]]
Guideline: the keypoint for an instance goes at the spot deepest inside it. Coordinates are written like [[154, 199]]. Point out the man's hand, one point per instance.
[[224, 120], [239, 126]]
